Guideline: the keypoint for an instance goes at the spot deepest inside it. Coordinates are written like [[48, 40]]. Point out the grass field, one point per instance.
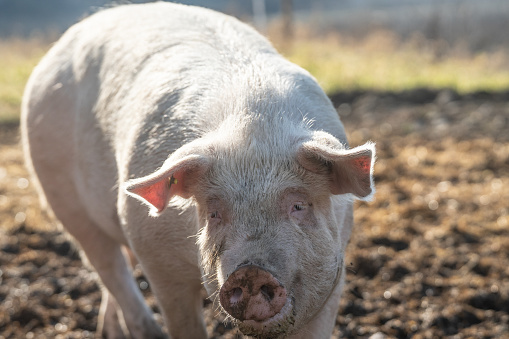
[[17, 59], [379, 62], [383, 62]]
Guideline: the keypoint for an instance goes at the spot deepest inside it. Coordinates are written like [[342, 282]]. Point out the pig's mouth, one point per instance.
[[279, 324]]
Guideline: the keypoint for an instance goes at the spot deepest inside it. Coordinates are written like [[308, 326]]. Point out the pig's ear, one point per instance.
[[349, 170], [173, 178]]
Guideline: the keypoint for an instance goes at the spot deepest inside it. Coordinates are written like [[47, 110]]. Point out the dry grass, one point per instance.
[[382, 62], [17, 59]]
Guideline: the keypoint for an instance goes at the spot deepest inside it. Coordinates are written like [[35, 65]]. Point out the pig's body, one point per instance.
[[134, 90]]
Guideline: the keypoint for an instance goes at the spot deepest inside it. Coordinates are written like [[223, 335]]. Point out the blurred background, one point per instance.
[[427, 80]]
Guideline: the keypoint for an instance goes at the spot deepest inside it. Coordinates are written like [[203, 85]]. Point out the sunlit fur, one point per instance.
[[130, 90]]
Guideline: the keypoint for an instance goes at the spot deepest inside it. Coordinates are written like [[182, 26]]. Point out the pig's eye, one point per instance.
[[214, 215], [297, 205]]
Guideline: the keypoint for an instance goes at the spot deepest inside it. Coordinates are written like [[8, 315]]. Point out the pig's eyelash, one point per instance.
[[299, 206], [214, 215]]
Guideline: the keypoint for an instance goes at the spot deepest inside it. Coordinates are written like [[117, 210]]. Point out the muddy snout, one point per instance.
[[252, 293]]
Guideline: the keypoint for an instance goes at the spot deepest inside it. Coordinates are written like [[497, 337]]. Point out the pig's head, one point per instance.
[[271, 213]]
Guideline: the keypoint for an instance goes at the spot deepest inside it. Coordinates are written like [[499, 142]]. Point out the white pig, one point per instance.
[[238, 154]]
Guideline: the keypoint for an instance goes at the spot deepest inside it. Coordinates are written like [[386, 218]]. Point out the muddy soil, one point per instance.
[[429, 257]]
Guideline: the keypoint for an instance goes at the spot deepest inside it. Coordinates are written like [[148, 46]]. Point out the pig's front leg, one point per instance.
[[109, 261], [166, 250], [322, 325]]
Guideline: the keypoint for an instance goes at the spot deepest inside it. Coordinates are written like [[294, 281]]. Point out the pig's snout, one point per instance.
[[251, 293]]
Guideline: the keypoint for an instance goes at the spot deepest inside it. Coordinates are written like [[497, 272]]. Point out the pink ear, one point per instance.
[[352, 172], [174, 178], [156, 194], [349, 170]]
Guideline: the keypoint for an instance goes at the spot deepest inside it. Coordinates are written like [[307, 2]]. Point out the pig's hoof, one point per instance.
[[251, 293]]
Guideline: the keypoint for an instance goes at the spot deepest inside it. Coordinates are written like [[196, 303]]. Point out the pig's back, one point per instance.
[[132, 73], [151, 74], [134, 83], [168, 73]]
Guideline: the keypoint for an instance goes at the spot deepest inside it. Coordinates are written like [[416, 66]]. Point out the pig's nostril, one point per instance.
[[252, 293], [236, 295], [267, 292]]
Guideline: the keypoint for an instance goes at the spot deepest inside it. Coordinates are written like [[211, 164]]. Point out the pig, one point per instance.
[[178, 136]]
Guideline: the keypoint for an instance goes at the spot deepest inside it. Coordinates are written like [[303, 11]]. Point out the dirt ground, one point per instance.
[[429, 258]]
